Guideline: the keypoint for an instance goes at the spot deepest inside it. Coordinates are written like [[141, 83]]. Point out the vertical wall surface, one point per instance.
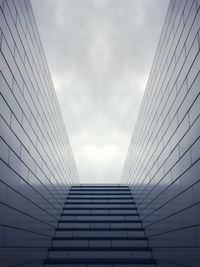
[[36, 162], [162, 165]]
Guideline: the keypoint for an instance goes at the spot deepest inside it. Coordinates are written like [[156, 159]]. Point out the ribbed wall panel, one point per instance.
[[162, 165], [36, 162]]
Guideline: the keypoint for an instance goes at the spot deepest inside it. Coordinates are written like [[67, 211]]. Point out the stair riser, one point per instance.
[[99, 225], [104, 206], [100, 193], [103, 212], [93, 188], [100, 243], [99, 254], [106, 190], [99, 218], [94, 196], [99, 201], [108, 234], [100, 265]]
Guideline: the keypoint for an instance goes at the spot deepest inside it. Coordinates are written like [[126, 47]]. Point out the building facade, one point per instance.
[[37, 167], [36, 162], [162, 165]]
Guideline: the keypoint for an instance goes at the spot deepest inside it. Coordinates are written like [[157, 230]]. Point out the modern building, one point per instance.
[[46, 217], [162, 166], [36, 162]]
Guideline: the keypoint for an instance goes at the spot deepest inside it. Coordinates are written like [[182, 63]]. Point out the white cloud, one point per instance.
[[100, 53]]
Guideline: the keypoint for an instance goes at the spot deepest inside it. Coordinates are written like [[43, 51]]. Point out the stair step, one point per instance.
[[103, 224], [97, 202], [97, 252], [101, 221], [99, 208], [106, 198], [99, 238], [99, 249], [99, 191], [100, 187], [96, 212], [103, 215], [99, 205], [95, 223], [84, 262], [100, 229], [83, 193], [99, 217], [96, 233], [100, 226], [99, 242]]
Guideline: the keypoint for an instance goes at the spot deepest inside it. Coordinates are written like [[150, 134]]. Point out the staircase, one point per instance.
[[100, 227]]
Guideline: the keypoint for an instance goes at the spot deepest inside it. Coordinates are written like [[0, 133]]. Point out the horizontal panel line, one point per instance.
[[175, 230], [24, 230]]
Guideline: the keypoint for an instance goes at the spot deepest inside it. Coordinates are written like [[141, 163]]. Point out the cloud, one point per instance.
[[100, 53]]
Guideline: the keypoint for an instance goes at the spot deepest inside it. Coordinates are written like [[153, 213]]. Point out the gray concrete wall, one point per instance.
[[162, 165], [36, 162]]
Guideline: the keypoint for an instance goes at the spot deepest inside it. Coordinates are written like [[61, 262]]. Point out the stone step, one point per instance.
[[99, 217], [63, 232], [99, 205], [98, 252], [100, 262], [101, 211], [99, 242], [102, 224]]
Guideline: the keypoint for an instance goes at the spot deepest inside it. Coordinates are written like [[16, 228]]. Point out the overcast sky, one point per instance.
[[100, 53]]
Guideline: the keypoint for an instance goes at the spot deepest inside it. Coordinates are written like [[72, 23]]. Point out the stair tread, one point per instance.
[[100, 260], [100, 214], [99, 194], [97, 208], [100, 203], [81, 244], [100, 221], [99, 186], [100, 249], [99, 229], [99, 238], [101, 198]]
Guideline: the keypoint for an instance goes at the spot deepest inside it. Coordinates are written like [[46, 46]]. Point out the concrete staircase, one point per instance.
[[100, 226]]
